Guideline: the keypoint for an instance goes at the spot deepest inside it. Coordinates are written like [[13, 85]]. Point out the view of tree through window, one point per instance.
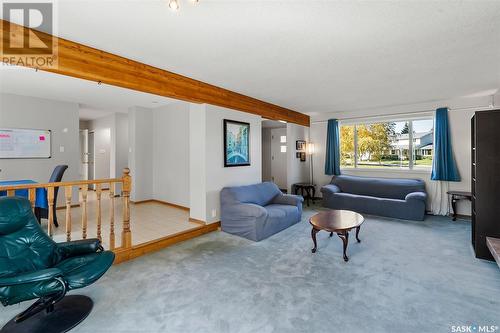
[[388, 144], [347, 146]]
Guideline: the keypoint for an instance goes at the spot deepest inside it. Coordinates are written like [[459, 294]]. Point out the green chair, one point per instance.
[[33, 266]]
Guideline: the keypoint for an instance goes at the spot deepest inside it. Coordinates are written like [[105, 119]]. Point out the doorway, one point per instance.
[[274, 153]]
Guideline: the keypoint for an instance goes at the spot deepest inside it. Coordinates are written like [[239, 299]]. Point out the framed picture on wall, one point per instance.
[[302, 156], [300, 145], [236, 143]]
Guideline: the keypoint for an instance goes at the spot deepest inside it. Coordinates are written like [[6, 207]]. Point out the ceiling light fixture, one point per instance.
[[173, 5]]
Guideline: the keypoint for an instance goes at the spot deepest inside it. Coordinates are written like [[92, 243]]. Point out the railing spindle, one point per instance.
[[83, 185], [68, 193], [83, 205], [111, 216], [32, 198], [50, 199], [98, 191], [126, 187]]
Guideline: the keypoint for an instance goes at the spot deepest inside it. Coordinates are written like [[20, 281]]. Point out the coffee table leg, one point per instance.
[[345, 238], [313, 235], [357, 234]]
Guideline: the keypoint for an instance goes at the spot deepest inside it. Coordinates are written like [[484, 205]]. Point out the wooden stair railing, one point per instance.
[[126, 183]]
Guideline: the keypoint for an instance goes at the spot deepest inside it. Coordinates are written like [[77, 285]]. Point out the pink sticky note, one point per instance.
[[42, 138]]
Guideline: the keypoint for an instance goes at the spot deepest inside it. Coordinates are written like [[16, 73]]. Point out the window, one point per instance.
[[347, 146], [395, 144]]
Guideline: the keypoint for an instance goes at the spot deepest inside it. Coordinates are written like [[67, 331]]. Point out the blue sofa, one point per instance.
[[258, 211], [391, 197]]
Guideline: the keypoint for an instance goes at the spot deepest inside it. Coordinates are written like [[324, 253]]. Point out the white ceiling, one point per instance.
[[96, 100], [310, 56]]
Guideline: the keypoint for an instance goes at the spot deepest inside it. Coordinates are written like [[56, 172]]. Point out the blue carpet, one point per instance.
[[403, 277]]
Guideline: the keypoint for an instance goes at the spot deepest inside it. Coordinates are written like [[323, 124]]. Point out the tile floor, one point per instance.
[[148, 221]]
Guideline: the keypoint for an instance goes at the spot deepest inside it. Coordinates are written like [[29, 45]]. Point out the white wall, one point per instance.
[[266, 155], [459, 121], [111, 143], [197, 162], [171, 153], [141, 152], [37, 113], [121, 143], [297, 171], [207, 172]]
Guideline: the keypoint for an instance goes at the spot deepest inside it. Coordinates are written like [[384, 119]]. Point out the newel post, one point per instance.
[[126, 188]]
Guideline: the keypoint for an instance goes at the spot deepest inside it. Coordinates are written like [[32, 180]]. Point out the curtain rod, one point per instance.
[[476, 108]]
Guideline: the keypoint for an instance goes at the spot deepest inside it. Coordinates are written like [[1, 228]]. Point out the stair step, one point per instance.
[[494, 246]]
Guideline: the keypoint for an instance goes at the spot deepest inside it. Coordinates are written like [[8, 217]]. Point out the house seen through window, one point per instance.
[[395, 144]]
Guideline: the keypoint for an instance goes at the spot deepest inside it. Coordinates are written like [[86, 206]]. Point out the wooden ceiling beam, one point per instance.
[[84, 62]]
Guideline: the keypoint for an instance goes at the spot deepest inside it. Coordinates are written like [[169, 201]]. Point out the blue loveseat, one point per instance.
[[258, 211], [391, 197]]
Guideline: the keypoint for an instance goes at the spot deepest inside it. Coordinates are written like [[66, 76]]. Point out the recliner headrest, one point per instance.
[[15, 212]]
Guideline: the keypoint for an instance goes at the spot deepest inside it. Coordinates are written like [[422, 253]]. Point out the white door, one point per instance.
[[102, 154], [84, 154], [278, 157]]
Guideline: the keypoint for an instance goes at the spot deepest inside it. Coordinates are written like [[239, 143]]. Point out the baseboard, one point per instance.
[[197, 221], [461, 217], [135, 251], [171, 204], [161, 202], [141, 201]]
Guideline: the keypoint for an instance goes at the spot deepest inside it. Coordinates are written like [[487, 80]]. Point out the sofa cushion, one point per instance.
[[277, 211], [392, 188], [279, 217], [259, 194]]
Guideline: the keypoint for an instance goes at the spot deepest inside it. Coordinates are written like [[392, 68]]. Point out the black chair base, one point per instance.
[[67, 313]]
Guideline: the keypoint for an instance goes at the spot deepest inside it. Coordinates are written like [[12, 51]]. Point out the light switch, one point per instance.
[[61, 149]]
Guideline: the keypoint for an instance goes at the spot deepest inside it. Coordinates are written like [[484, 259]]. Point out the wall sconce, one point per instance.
[[310, 148]]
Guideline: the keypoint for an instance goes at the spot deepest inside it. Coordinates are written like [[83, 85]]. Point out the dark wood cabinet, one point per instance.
[[485, 187]]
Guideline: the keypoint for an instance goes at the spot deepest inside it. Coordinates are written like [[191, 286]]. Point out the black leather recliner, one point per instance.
[[33, 266]]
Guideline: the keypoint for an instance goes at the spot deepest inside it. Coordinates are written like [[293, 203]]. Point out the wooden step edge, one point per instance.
[[494, 247]]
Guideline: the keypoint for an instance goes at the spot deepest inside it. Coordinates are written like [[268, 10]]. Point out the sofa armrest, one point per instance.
[[79, 247], [288, 199], [37, 276], [244, 210], [422, 196], [330, 189]]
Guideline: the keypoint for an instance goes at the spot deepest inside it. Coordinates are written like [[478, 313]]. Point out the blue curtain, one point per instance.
[[332, 161], [443, 165]]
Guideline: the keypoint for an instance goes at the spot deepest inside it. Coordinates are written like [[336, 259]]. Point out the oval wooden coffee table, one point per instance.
[[336, 221]]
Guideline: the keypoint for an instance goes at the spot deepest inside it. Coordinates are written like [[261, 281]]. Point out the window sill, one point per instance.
[[388, 170]]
